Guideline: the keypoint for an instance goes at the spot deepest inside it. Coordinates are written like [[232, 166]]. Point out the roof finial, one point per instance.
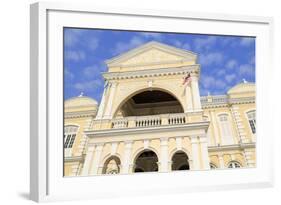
[[209, 94], [81, 94], [244, 80]]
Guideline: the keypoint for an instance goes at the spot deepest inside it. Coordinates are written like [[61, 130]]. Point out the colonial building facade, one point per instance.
[[148, 120]]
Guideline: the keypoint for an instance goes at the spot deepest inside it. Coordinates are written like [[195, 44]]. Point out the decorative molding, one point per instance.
[[240, 146], [79, 114], [141, 130], [224, 101], [152, 72]]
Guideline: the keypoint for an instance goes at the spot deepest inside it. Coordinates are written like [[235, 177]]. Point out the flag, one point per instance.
[[186, 79]]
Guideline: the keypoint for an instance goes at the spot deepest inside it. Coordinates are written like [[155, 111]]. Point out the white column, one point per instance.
[[195, 153], [164, 155], [221, 161], [88, 161], [108, 109], [195, 93], [188, 98], [204, 152], [127, 156], [102, 104], [96, 162]]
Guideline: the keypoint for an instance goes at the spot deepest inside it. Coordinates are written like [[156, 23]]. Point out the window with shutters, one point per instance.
[[70, 132], [252, 120]]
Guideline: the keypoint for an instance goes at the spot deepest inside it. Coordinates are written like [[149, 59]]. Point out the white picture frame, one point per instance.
[[46, 180]]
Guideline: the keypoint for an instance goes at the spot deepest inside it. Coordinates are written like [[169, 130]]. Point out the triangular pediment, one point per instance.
[[152, 53]]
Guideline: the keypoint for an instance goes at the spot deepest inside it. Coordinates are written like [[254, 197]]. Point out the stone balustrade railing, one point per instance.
[[150, 120]]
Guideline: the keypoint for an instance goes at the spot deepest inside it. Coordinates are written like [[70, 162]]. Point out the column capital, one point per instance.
[[128, 141], [99, 145], [194, 139], [203, 139]]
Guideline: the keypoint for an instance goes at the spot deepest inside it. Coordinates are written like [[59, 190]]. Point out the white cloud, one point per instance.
[[208, 81], [230, 77], [211, 82], [93, 43], [211, 58], [182, 45], [247, 41], [88, 85], [231, 64], [220, 72], [94, 70], [204, 43], [68, 75], [121, 47], [90, 71], [71, 36], [156, 36], [74, 55], [247, 69]]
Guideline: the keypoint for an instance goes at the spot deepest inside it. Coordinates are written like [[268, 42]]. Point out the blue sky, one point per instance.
[[225, 60]]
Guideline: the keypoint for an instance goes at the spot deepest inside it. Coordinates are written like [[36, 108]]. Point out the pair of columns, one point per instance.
[[192, 95], [105, 108]]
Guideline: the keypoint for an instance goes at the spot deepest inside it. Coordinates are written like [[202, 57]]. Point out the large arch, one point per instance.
[[134, 93], [146, 161], [180, 161], [112, 165]]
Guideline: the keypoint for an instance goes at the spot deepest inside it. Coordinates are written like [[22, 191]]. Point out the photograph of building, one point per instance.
[[152, 117]]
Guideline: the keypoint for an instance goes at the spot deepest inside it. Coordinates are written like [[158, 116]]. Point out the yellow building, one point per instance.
[[149, 121]]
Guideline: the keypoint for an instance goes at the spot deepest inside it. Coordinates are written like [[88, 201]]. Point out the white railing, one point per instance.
[[175, 119], [148, 121], [119, 123]]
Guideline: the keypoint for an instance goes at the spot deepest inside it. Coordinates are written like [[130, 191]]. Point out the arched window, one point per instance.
[[112, 165], [212, 166], [226, 132], [180, 161], [70, 132], [146, 161], [252, 120], [234, 164]]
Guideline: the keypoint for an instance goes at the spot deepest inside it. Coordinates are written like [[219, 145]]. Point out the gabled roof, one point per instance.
[[244, 87], [82, 101], [184, 54]]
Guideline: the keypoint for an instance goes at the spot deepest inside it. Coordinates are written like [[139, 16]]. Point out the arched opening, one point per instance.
[[150, 102], [234, 165], [146, 162], [180, 161], [112, 165]]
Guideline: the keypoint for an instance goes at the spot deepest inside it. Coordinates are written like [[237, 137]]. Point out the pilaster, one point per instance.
[[164, 163]]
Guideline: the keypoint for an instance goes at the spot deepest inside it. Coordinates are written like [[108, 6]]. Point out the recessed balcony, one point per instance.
[[148, 109], [150, 120]]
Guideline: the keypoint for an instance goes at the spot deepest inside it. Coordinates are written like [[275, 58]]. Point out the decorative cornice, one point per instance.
[[231, 147], [74, 159], [224, 101], [131, 131], [152, 72], [79, 114]]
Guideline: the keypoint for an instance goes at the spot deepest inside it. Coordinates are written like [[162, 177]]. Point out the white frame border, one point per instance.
[[39, 175]]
